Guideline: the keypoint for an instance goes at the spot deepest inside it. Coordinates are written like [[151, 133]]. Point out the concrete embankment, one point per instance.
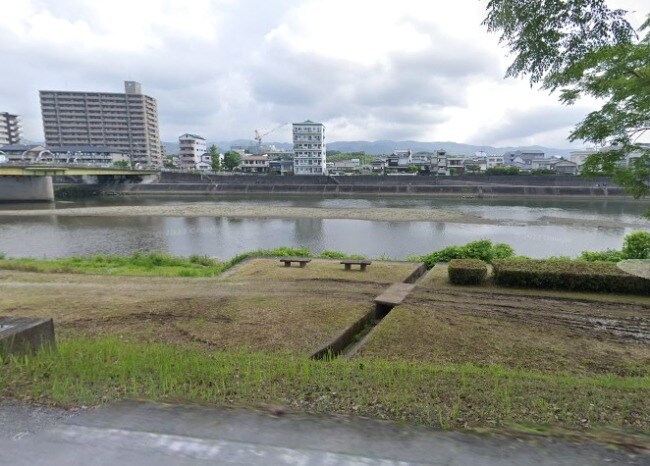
[[461, 186], [471, 186]]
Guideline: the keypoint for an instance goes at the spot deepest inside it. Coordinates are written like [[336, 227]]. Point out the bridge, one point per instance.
[[34, 182]]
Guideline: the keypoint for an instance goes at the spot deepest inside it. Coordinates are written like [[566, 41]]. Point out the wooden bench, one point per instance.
[[287, 262], [348, 263]]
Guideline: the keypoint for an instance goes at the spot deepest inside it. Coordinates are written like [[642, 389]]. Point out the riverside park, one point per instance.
[[468, 338]]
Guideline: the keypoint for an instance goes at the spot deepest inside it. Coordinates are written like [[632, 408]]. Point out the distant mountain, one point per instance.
[[386, 147], [453, 148]]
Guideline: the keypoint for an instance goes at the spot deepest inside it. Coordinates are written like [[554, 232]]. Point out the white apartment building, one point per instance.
[[191, 151], [309, 148], [494, 161], [579, 156], [125, 121], [10, 129]]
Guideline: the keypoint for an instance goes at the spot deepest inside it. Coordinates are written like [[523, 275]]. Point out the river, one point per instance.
[[533, 227]]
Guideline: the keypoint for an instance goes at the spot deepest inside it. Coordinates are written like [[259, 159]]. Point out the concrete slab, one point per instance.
[[394, 294], [23, 335], [158, 434]]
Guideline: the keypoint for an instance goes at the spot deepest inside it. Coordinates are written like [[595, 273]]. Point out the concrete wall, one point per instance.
[[26, 188], [469, 180]]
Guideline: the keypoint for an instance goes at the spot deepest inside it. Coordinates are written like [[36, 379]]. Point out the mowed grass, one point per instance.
[[320, 269], [84, 371], [438, 333], [201, 313]]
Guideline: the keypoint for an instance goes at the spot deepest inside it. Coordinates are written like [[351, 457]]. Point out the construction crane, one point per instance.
[[258, 136]]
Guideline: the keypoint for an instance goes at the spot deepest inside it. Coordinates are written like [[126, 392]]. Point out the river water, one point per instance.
[[60, 236]]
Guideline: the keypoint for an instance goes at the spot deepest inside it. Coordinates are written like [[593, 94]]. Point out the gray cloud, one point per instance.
[[526, 122], [237, 78]]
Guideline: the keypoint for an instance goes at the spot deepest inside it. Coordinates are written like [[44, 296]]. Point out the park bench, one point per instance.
[[348, 263], [287, 261]]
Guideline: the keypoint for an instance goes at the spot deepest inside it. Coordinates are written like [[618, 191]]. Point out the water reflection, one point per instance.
[[54, 236]]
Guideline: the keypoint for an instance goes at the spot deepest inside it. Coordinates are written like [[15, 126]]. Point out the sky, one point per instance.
[[369, 70]]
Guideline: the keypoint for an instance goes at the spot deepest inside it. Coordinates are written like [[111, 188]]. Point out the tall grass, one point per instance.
[[156, 264], [447, 396]]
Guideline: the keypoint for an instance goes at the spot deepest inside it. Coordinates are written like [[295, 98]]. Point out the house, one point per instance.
[[565, 167], [399, 160], [456, 164], [378, 164], [422, 161], [281, 166], [493, 161], [522, 156], [254, 164]]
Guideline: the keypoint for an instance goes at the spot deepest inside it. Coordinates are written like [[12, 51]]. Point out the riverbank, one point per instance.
[[432, 214], [261, 211], [245, 339]]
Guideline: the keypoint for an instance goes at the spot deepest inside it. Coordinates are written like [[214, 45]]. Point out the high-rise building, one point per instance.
[[10, 130], [309, 148], [126, 121], [192, 149]]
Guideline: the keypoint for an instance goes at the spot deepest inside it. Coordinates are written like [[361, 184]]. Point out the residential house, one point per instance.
[[254, 164]]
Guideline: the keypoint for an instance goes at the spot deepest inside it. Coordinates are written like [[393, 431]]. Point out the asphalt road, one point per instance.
[[157, 434]]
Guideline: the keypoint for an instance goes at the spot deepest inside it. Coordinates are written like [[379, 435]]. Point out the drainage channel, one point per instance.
[[349, 342]]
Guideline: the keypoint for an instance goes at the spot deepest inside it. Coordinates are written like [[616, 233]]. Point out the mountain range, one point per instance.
[[388, 146], [377, 147]]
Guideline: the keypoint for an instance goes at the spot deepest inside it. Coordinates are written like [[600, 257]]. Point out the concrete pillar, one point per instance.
[[26, 188]]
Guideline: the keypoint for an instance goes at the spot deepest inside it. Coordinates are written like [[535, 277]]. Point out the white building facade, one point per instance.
[[192, 149], [10, 129], [309, 149]]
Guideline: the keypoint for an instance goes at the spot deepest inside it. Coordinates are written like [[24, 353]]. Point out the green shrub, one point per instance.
[[637, 245], [482, 249], [568, 275], [202, 260], [467, 271], [608, 255], [340, 255], [2, 256]]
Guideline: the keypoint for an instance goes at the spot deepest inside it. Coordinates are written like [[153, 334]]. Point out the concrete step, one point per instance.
[[395, 294]]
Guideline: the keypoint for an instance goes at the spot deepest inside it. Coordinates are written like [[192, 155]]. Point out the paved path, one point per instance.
[[157, 434]]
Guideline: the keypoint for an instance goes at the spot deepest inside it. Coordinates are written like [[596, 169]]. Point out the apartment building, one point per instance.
[[125, 121], [10, 129], [192, 149], [309, 148]]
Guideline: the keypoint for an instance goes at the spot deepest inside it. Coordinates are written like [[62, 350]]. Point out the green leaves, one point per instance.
[[583, 48]]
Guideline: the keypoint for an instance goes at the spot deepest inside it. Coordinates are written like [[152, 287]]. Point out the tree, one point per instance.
[[216, 159], [231, 160], [583, 48], [122, 164]]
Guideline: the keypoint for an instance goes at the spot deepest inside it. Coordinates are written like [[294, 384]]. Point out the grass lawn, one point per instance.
[[202, 313], [441, 333], [438, 395], [321, 269]]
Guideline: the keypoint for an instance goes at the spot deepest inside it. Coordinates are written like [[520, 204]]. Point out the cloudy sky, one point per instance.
[[376, 69]]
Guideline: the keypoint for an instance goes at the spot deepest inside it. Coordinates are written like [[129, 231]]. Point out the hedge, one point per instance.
[[568, 275], [467, 271]]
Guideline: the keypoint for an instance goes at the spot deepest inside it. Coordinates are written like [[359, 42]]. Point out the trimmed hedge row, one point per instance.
[[568, 275], [467, 271]]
